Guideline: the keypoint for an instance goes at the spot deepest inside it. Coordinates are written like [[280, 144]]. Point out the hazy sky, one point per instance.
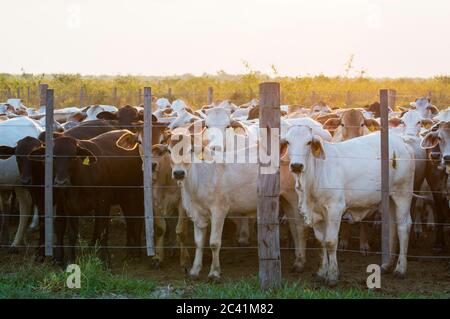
[[166, 37]]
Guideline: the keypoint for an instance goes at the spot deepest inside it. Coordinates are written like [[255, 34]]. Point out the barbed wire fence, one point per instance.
[[387, 99]]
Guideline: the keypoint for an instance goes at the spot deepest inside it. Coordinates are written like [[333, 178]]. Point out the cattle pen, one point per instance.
[[265, 259]]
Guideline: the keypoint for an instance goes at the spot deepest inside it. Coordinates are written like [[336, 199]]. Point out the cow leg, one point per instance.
[[215, 241], [182, 231], [243, 232], [364, 246], [345, 236], [319, 232], [199, 237], [298, 232], [387, 267], [60, 229], [35, 221], [25, 204], [160, 231], [40, 254], [403, 223], [5, 210], [441, 210], [72, 243], [331, 243]]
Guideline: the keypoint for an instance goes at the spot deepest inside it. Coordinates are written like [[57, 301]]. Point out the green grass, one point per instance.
[[46, 281]]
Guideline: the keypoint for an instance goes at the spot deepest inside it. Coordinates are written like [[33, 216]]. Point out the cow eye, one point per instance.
[[309, 143], [342, 124], [362, 125]]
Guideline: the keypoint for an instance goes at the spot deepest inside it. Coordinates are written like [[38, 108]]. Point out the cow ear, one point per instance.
[[238, 127], [317, 148], [332, 124], [86, 155], [283, 148], [372, 125], [193, 127], [127, 141], [154, 118], [427, 123], [431, 140], [394, 122], [37, 154], [107, 116], [6, 152], [159, 150], [434, 110]]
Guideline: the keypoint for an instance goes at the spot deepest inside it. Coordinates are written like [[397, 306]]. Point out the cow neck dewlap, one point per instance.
[[304, 183]]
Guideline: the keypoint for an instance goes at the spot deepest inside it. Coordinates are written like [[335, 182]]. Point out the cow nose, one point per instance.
[[435, 156], [178, 175], [296, 167], [59, 182]]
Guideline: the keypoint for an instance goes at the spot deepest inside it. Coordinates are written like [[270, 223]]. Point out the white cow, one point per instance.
[[93, 110], [12, 131], [345, 177]]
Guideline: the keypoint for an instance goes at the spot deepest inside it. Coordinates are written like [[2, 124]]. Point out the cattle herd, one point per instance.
[[329, 164]]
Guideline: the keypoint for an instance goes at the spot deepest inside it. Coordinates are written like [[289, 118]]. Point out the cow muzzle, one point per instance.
[[296, 168], [179, 175], [63, 182]]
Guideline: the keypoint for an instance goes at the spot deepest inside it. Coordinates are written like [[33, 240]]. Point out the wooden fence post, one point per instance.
[[49, 173], [8, 93], [387, 99], [169, 94], [268, 191], [210, 95], [148, 200], [18, 92]]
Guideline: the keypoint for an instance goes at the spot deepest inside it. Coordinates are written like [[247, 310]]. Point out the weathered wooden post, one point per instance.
[[49, 172], [387, 99], [18, 92], [147, 143], [210, 95], [8, 93], [269, 189], [169, 94]]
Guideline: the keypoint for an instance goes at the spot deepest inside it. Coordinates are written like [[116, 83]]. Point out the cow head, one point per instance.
[[125, 117], [412, 122], [424, 107], [352, 124], [218, 124], [301, 145], [439, 136], [22, 151], [68, 155]]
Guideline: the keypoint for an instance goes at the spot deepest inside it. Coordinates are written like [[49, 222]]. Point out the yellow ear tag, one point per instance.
[[371, 128], [201, 156], [86, 161]]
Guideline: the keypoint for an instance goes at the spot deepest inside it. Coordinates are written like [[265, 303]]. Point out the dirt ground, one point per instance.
[[424, 275]]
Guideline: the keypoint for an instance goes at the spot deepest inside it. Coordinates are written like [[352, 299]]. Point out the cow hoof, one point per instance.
[[332, 283], [297, 268], [13, 250], [214, 278], [385, 269], [319, 278], [399, 275], [193, 277], [39, 259]]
